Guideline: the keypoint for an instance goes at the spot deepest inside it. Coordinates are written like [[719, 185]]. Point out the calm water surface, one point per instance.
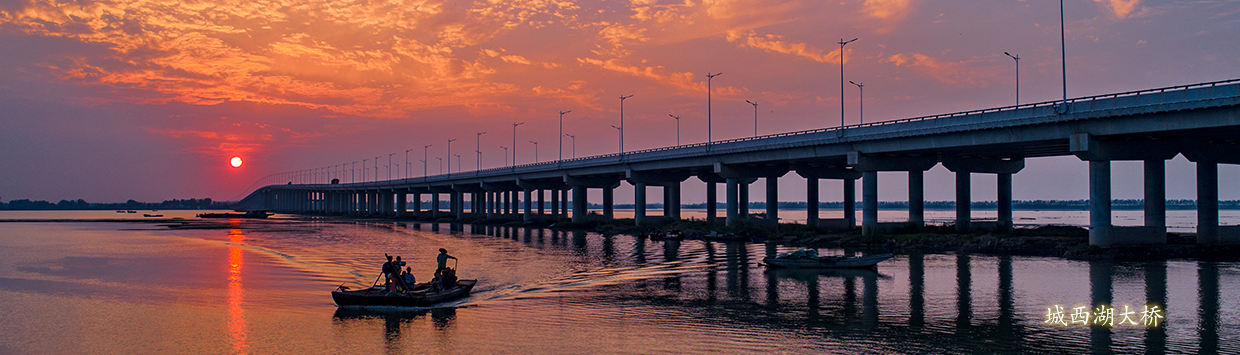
[[262, 287]]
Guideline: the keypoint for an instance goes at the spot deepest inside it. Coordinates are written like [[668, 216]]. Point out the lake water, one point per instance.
[[262, 287]]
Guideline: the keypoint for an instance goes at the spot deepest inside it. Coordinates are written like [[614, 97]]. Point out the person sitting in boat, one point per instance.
[[409, 279]]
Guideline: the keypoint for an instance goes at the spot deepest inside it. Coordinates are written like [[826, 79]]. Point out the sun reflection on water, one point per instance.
[[236, 295]]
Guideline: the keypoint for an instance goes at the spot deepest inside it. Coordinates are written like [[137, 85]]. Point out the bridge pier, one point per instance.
[[914, 165], [733, 207], [1004, 168], [869, 202], [917, 198], [639, 204], [529, 217], [712, 195], [1153, 154]]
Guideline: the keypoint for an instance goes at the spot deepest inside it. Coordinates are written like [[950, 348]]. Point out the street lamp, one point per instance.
[[755, 117], [862, 87], [407, 163], [708, 121], [425, 172], [1016, 57], [621, 132], [514, 142], [440, 164], [1063, 51], [353, 172], [677, 128], [390, 165], [842, 43], [622, 98], [376, 169], [450, 155], [505, 155], [458, 162], [364, 169], [562, 133], [535, 151], [478, 149], [574, 144]]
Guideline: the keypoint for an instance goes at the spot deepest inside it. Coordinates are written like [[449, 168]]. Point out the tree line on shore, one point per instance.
[[79, 204]]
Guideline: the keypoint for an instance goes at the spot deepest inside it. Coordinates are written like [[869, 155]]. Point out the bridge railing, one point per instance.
[[706, 147]]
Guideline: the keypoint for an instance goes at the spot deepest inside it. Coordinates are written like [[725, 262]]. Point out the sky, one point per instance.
[[148, 100]]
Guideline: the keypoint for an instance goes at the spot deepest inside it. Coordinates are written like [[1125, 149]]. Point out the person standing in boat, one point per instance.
[[442, 260], [389, 269]]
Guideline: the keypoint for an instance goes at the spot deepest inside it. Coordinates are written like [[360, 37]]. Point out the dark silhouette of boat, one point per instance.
[[421, 295], [152, 215], [247, 214], [811, 260]]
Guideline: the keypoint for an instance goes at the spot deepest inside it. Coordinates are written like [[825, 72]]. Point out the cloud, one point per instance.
[[962, 72], [657, 73], [1121, 8], [775, 43]]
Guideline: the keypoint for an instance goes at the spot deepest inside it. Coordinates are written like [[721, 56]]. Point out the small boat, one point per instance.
[[809, 259], [726, 237], [670, 235], [120, 211], [421, 295], [247, 214], [131, 211], [152, 215]]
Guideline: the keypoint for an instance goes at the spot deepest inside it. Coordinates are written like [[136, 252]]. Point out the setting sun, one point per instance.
[[236, 162]]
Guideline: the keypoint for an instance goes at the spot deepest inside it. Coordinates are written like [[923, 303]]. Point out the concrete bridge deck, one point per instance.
[[1200, 121]]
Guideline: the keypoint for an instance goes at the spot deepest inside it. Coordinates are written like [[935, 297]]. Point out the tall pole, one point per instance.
[[505, 156], [535, 151], [862, 88], [407, 163], [709, 76], [440, 164], [561, 139], [677, 128], [514, 142], [425, 172], [478, 149], [390, 165], [1017, 59], [353, 171], [1063, 51], [450, 155], [376, 169], [364, 169], [574, 144], [622, 97], [755, 117], [458, 162], [621, 130], [842, 43]]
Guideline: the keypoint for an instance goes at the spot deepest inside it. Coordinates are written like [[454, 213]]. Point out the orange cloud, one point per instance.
[[1121, 8], [963, 72], [657, 73], [775, 43]]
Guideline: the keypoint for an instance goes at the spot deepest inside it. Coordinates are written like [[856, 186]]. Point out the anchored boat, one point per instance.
[[421, 295], [810, 259]]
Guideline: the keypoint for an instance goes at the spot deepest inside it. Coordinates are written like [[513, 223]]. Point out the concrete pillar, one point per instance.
[[639, 203], [529, 213], [564, 203], [488, 203], [1005, 201], [1207, 203], [733, 207], [555, 205], [1100, 203], [772, 199], [667, 201], [811, 202], [1156, 193], [850, 202], [402, 204], [435, 205], [609, 203], [964, 200], [742, 190], [541, 201], [514, 205], [712, 200], [917, 198], [869, 202], [675, 200], [579, 203]]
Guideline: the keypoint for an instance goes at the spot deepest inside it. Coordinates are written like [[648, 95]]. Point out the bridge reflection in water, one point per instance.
[[906, 305]]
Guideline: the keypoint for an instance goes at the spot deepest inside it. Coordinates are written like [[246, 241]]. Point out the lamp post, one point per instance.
[[425, 172], [364, 169], [535, 151], [353, 172], [478, 149], [390, 165], [862, 88], [622, 98], [440, 164], [407, 163], [755, 117], [1016, 57], [458, 162], [449, 155], [621, 133], [514, 142], [1063, 51], [505, 155], [677, 128], [376, 169], [574, 144], [709, 76], [561, 139], [842, 43]]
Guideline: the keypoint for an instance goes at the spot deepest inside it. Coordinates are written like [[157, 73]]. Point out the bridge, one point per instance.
[[1200, 121]]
